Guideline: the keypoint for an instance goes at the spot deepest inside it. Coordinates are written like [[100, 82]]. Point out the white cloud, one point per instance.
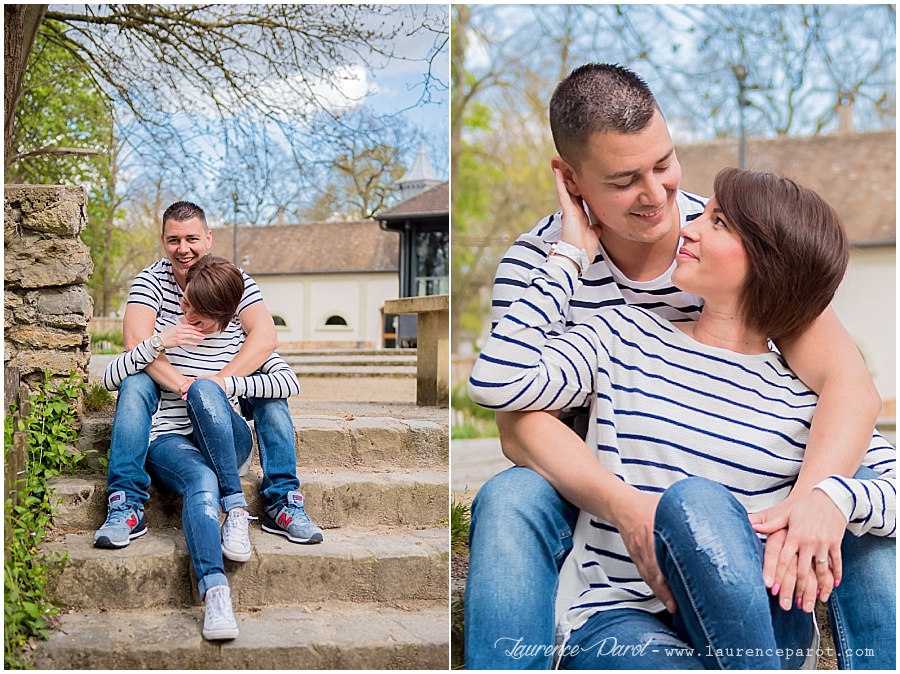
[[344, 91]]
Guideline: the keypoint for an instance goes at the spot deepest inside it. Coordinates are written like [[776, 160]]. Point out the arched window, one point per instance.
[[279, 321], [334, 321]]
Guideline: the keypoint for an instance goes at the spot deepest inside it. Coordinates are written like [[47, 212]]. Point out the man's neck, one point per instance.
[[640, 261], [180, 279]]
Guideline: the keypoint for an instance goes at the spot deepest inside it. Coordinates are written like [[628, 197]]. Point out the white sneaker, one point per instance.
[[218, 619], [236, 535]]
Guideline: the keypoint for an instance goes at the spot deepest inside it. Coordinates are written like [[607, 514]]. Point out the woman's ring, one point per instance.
[[821, 561]]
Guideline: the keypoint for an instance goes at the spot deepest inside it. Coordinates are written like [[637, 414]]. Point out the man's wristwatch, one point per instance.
[[156, 343], [567, 250]]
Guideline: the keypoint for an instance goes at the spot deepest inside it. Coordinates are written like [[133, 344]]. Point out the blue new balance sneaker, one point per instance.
[[289, 519], [124, 522]]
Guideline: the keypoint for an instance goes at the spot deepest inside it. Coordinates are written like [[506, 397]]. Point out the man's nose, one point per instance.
[[654, 192]]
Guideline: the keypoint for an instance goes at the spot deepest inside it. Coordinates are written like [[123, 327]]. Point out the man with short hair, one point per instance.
[[157, 291], [617, 159]]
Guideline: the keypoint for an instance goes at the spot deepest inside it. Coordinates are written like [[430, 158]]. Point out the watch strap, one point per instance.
[[578, 256]]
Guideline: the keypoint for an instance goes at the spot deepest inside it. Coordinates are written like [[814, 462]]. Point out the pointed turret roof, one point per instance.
[[421, 170]]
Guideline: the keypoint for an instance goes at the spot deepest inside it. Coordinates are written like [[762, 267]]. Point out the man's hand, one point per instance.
[[635, 524], [800, 533]]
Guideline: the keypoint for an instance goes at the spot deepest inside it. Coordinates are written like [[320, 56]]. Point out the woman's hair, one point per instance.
[[796, 246], [214, 288]]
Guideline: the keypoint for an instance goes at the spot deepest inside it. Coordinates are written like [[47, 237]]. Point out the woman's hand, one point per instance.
[[576, 225], [803, 552], [180, 335]]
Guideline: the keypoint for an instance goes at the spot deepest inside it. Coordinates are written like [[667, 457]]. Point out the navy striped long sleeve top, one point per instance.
[[664, 407]]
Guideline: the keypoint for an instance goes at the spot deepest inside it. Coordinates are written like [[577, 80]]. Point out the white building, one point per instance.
[[324, 283]]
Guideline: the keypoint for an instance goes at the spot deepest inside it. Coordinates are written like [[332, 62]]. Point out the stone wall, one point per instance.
[[46, 267]]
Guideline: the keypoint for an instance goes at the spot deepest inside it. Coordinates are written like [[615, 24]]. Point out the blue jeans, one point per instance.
[[136, 404], [176, 463], [522, 531], [137, 401], [221, 434], [863, 608], [520, 535], [726, 619], [277, 451]]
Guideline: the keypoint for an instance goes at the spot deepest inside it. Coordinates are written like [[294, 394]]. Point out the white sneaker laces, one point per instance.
[[236, 531], [219, 612]]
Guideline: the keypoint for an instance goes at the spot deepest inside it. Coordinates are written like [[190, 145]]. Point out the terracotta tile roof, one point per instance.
[[433, 201], [855, 172], [312, 247]]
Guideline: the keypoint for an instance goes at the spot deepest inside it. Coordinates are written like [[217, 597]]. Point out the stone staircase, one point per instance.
[[352, 363], [373, 595]]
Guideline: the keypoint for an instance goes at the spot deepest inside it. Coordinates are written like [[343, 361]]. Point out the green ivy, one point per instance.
[[50, 427]]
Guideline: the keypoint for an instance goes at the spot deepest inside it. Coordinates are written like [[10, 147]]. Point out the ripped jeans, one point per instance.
[[202, 469], [725, 619]]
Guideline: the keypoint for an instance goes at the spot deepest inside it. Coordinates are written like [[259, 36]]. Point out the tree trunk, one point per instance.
[[20, 25], [458, 77]]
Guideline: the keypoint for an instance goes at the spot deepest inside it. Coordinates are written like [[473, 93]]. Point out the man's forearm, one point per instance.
[[164, 374], [539, 441], [827, 360], [255, 351], [840, 434]]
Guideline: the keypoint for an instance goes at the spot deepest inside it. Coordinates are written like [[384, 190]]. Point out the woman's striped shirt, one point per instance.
[[603, 284], [274, 379], [664, 407]]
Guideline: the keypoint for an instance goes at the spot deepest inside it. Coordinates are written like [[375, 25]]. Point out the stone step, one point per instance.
[[356, 565], [386, 363], [328, 636], [303, 358], [337, 441], [333, 499], [354, 371], [347, 353]]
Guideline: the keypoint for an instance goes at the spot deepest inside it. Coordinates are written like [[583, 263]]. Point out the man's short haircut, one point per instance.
[[214, 288], [598, 98], [796, 246], [181, 211]]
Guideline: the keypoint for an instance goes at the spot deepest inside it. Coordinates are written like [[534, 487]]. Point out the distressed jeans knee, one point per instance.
[[712, 561], [221, 435]]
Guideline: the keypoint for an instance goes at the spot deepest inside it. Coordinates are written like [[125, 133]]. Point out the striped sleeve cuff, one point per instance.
[[840, 493], [231, 386]]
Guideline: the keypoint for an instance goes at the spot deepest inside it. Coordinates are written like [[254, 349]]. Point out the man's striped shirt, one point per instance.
[[155, 287], [603, 284], [664, 407], [274, 379]]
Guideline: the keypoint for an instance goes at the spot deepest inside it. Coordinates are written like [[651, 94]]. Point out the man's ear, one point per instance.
[[568, 174]]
